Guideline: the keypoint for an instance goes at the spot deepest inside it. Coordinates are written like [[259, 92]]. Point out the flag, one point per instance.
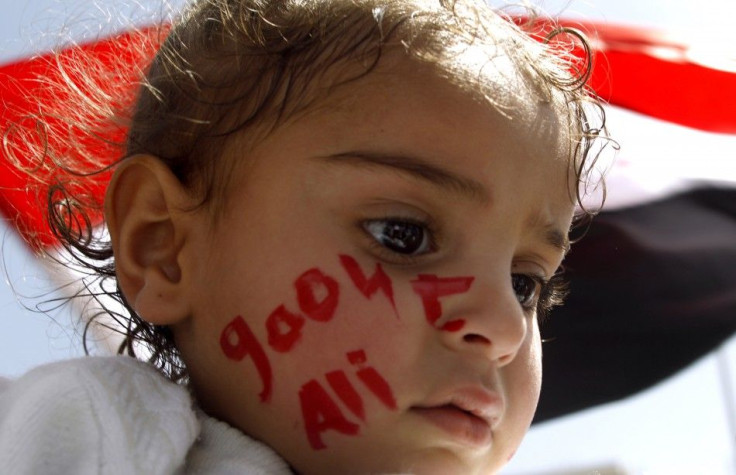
[[653, 281]]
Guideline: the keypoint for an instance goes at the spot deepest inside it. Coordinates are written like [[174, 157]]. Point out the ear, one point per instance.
[[146, 218]]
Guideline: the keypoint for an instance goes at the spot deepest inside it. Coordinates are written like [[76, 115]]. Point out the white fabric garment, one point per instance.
[[117, 415]]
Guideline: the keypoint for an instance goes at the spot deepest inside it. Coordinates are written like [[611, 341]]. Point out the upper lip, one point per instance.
[[478, 401]]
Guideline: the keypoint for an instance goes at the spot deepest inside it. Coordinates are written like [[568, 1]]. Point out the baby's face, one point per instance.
[[366, 303]]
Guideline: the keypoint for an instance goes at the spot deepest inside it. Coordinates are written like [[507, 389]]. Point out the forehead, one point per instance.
[[468, 121], [482, 81]]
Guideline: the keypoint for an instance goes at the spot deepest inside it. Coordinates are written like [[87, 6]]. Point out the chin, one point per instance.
[[434, 462], [441, 462]]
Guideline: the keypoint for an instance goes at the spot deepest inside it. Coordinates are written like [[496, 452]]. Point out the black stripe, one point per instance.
[[653, 288]]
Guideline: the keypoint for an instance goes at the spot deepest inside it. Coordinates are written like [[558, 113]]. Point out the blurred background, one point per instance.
[[685, 424]]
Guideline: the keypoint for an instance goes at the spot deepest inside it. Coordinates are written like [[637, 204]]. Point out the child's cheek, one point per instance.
[[351, 380], [237, 342], [379, 281], [321, 413]]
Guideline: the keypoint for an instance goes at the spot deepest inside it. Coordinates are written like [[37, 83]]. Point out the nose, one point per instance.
[[487, 319]]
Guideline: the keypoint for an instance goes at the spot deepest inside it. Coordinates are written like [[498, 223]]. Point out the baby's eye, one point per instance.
[[400, 236], [527, 289]]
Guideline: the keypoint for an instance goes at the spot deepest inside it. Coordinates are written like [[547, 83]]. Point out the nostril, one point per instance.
[[475, 338]]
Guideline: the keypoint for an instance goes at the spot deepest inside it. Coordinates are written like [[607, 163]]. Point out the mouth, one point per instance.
[[463, 425]]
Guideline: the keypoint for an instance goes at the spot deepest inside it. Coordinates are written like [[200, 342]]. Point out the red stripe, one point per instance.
[[35, 101], [651, 73], [654, 73]]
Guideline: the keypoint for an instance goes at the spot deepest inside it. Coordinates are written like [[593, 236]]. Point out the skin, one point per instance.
[[303, 198]]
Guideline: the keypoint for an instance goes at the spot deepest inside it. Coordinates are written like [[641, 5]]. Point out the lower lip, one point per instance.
[[464, 427]]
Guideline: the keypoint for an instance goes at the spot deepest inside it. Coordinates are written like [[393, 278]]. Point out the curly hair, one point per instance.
[[241, 68]]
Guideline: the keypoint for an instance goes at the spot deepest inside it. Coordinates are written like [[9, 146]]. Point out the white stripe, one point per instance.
[[658, 158]]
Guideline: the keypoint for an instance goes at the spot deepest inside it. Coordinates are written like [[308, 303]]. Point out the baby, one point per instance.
[[334, 228]]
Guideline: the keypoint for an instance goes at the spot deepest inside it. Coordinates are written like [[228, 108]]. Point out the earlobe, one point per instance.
[[146, 218]]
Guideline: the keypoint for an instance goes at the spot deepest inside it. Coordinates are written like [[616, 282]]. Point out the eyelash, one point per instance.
[[551, 292]]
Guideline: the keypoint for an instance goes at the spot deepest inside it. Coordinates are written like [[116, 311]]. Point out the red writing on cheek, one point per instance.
[[369, 286], [430, 288], [340, 383], [317, 294], [238, 341], [280, 318], [453, 326], [321, 413], [372, 379]]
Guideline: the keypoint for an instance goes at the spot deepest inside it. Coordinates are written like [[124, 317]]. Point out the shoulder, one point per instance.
[[95, 415]]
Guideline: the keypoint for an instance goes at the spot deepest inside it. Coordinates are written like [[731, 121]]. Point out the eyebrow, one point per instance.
[[420, 169], [557, 239]]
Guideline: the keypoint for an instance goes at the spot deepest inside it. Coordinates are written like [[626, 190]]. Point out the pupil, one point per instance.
[[405, 238], [523, 287]]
